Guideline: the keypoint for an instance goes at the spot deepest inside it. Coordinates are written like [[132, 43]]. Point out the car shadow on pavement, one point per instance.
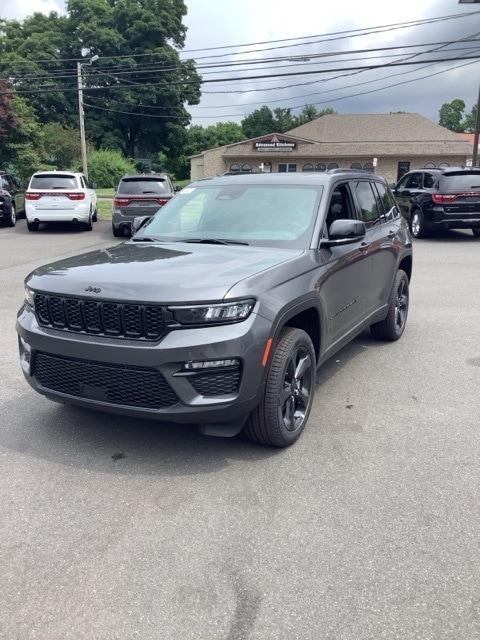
[[106, 443], [451, 235]]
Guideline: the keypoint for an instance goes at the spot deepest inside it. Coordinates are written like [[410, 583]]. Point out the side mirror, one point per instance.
[[140, 222], [344, 232], [93, 185], [392, 185]]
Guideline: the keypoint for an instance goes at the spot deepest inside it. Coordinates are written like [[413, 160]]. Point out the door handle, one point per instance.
[[391, 234], [364, 246]]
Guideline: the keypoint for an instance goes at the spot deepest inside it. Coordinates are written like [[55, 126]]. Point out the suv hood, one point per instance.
[[167, 273]]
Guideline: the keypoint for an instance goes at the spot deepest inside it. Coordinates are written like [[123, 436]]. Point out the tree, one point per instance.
[[451, 115], [21, 141], [106, 167], [310, 112], [62, 145], [137, 117], [259, 123], [470, 120]]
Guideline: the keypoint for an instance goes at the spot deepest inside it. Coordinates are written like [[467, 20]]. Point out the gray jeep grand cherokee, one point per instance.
[[222, 306]]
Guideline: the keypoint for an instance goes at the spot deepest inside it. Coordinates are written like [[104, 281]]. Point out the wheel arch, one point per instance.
[[305, 315], [406, 264]]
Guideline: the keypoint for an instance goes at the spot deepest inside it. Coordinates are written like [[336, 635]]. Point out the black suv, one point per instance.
[[220, 308], [446, 198], [139, 195], [12, 198]]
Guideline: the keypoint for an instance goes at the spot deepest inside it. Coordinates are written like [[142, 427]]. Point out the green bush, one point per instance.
[[106, 167]]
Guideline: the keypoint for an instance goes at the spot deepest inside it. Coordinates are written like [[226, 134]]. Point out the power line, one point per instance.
[[331, 100], [57, 89], [150, 68], [324, 38]]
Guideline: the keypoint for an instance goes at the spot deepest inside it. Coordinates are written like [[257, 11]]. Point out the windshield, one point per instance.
[[137, 186], [264, 215], [460, 181], [53, 181]]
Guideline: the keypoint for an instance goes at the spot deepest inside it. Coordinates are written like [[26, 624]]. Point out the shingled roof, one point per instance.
[[373, 133]]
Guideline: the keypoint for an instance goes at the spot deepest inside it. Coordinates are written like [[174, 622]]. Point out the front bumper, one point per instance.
[[244, 341]]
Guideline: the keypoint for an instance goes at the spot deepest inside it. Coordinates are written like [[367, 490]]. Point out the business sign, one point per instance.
[[274, 143]]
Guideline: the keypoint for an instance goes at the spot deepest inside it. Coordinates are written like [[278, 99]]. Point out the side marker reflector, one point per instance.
[[266, 351]]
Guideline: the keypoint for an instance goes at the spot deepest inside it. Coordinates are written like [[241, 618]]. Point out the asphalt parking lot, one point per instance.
[[366, 529]]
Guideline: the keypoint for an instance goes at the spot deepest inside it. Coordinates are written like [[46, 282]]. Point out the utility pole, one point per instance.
[[81, 113], [81, 116], [477, 132]]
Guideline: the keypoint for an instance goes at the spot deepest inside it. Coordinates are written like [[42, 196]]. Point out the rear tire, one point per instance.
[[95, 216], [32, 226], [88, 226], [12, 218], [417, 224], [118, 233], [476, 233], [393, 326], [287, 399]]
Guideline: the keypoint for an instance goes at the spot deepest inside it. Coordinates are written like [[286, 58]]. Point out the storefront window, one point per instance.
[[247, 167], [368, 166], [287, 168], [355, 165], [234, 167], [321, 167], [443, 165], [332, 165], [308, 167], [429, 165]]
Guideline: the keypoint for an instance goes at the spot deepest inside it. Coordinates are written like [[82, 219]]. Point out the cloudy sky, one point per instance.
[[213, 23]]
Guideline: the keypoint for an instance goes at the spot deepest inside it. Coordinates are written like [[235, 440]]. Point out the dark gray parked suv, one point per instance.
[[222, 306], [139, 195]]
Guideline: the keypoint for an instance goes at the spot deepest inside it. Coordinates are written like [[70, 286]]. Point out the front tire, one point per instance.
[[282, 414], [393, 326], [476, 233], [417, 224], [12, 218]]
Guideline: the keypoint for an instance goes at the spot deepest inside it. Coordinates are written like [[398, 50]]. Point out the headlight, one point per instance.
[[29, 296], [214, 313]]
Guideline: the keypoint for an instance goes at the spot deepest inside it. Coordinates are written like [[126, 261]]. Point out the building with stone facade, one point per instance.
[[389, 144]]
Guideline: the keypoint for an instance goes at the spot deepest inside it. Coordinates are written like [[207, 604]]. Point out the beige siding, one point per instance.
[[197, 168]]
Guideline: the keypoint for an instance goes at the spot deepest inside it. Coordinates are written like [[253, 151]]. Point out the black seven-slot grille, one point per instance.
[[121, 320], [118, 384]]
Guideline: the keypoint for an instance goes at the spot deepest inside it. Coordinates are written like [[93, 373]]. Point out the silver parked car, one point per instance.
[[139, 195]]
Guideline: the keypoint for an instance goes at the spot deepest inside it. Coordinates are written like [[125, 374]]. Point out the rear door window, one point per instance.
[[460, 181], [143, 186], [367, 200], [414, 181], [428, 180], [388, 203], [53, 181]]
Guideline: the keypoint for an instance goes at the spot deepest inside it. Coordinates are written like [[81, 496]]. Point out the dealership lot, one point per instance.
[[366, 528]]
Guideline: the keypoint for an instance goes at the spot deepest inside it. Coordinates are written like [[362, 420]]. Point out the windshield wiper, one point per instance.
[[213, 241], [145, 239]]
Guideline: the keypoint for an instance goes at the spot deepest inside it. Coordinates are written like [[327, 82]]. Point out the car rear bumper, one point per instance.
[[130, 363], [80, 213], [439, 219]]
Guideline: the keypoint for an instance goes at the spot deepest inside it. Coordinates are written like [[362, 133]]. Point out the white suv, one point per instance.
[[60, 196]]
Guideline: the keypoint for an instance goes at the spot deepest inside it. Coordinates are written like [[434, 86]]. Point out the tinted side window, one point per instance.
[[368, 203], [414, 181], [428, 180], [389, 205], [340, 206]]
